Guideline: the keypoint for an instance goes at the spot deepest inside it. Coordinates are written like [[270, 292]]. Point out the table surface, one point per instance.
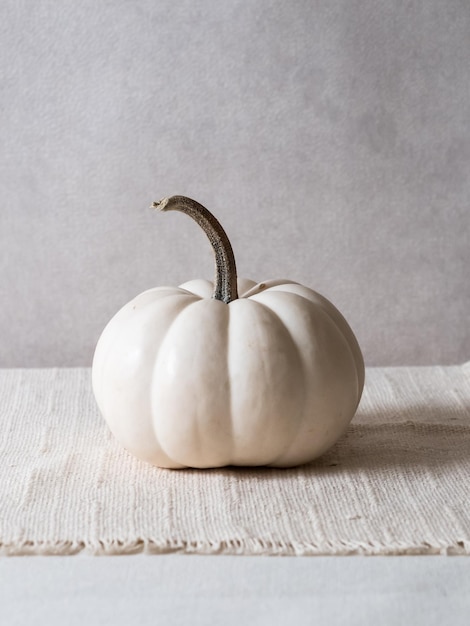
[[199, 590], [196, 589]]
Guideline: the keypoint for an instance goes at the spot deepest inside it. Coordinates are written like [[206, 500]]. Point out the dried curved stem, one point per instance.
[[225, 268]]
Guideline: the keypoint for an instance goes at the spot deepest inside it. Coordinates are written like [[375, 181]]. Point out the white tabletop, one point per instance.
[[200, 590]]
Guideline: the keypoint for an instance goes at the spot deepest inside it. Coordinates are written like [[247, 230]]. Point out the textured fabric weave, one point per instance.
[[397, 483]]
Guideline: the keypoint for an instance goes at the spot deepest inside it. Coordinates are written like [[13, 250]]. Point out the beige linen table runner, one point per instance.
[[397, 483]]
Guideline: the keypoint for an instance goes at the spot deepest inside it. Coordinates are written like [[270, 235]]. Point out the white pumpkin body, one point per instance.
[[185, 380]]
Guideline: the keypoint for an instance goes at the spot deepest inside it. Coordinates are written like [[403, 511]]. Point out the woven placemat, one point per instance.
[[397, 483]]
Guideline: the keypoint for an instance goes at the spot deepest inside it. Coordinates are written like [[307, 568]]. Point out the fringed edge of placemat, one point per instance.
[[245, 547]]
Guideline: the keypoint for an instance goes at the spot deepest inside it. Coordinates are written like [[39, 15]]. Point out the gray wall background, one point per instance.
[[331, 138]]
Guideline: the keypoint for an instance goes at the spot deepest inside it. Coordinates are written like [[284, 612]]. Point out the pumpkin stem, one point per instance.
[[225, 268]]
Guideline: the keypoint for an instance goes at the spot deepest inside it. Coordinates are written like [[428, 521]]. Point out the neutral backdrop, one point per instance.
[[331, 138]]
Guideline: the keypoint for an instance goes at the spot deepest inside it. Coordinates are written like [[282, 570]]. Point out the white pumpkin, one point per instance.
[[188, 378]]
